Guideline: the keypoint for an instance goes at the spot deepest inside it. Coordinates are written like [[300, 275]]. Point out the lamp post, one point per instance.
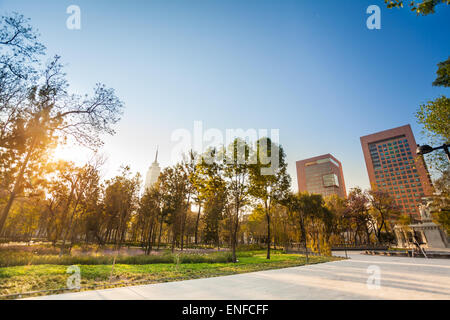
[[421, 150]]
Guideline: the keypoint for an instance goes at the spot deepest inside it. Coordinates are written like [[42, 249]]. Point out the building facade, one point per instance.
[[322, 175], [152, 173], [393, 165]]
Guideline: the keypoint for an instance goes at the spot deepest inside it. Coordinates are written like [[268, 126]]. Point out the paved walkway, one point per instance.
[[400, 278]]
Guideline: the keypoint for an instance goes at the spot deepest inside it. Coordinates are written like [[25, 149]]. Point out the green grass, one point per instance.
[[10, 258], [22, 279]]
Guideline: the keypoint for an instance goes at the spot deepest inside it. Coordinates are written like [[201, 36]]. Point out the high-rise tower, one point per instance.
[[394, 166], [322, 175], [153, 172]]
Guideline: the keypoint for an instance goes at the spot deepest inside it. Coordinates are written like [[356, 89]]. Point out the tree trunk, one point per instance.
[[66, 233], [16, 188], [173, 240], [234, 234], [368, 236], [379, 231], [306, 249], [196, 223], [268, 236], [183, 222], [318, 244], [160, 231], [150, 243], [304, 238]]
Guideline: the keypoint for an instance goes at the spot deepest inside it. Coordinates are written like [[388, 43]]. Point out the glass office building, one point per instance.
[[322, 175], [393, 165]]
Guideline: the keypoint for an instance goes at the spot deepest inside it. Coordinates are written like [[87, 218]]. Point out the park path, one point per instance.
[[400, 278]]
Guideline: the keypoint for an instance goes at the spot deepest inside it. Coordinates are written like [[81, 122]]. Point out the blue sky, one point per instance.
[[308, 68]]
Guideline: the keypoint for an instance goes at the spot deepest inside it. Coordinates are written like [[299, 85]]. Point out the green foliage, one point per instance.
[[315, 220], [269, 180], [212, 215], [173, 184], [435, 117], [236, 175], [219, 257], [442, 217], [256, 224], [212, 191], [120, 202], [421, 7], [443, 74]]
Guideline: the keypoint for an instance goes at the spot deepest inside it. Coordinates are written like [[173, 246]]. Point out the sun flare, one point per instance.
[[77, 154]]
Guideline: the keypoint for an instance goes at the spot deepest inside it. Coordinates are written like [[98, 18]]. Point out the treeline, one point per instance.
[[216, 199]]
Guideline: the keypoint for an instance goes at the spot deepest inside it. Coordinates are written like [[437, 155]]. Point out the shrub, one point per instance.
[[221, 257], [251, 247], [10, 258]]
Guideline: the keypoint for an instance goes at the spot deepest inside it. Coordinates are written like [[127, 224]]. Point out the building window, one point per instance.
[[330, 180]]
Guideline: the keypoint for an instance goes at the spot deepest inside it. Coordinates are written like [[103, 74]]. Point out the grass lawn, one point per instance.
[[21, 279]]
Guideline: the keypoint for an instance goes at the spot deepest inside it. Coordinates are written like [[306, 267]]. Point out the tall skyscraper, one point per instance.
[[394, 166], [152, 173], [322, 175]]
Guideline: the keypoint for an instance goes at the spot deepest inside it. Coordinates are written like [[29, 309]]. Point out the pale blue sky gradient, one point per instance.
[[309, 68]]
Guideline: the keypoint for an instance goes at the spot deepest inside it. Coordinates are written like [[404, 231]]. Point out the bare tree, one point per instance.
[[51, 115]]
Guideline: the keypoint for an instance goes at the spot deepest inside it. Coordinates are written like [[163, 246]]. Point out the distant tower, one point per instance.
[[321, 175], [153, 172]]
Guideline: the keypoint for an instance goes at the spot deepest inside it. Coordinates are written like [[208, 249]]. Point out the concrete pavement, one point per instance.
[[400, 278]]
